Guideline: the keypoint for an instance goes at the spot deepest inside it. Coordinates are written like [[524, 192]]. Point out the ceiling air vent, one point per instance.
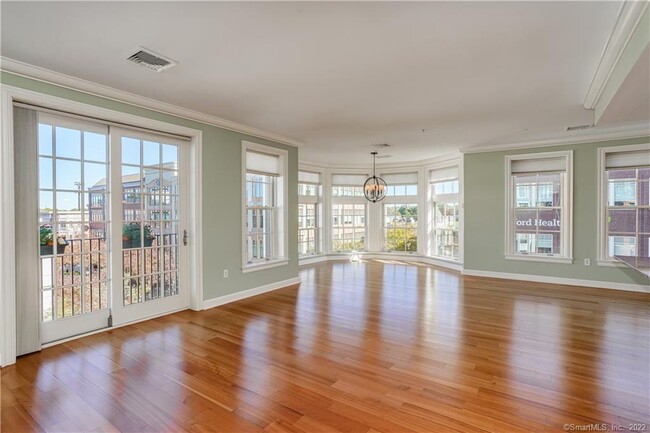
[[579, 127], [151, 60]]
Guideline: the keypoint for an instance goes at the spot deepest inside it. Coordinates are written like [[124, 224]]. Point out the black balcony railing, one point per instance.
[[97, 244]]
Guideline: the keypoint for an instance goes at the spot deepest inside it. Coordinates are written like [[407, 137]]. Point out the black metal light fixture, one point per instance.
[[375, 187]]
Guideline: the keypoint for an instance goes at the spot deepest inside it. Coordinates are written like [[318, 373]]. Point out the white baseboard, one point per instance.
[[559, 280], [386, 256], [226, 299], [454, 266], [490, 274], [312, 259], [447, 264]]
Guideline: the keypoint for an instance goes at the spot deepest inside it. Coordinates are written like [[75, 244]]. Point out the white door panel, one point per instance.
[[150, 260], [74, 227]]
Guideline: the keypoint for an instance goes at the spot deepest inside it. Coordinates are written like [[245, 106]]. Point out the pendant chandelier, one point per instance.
[[375, 187]]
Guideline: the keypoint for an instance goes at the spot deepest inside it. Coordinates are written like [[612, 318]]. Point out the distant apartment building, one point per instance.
[[149, 197]]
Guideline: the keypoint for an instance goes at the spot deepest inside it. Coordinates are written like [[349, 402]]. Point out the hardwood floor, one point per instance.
[[380, 346]]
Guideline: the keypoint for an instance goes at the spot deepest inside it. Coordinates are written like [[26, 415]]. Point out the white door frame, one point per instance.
[[9, 94]]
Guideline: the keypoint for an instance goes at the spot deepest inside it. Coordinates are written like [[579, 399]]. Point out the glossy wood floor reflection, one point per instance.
[[368, 347]]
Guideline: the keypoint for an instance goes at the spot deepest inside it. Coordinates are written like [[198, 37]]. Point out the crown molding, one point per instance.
[[77, 84], [447, 157], [634, 131], [626, 23]]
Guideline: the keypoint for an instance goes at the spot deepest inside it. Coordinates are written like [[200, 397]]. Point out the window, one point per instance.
[[260, 202], [265, 224], [539, 207], [348, 227], [625, 202], [308, 213], [348, 212], [400, 212], [445, 212], [401, 227]]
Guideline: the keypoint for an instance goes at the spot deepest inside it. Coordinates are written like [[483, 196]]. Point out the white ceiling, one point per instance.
[[339, 76]]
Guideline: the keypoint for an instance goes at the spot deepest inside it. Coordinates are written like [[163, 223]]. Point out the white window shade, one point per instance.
[[630, 159], [537, 165], [263, 163], [445, 173], [400, 178], [308, 177], [349, 179]]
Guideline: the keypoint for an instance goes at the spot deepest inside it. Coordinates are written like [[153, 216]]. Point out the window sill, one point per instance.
[[401, 253], [610, 264], [543, 259], [254, 267], [310, 256]]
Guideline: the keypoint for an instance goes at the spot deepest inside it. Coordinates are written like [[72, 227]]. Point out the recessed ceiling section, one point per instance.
[[426, 77], [631, 103]]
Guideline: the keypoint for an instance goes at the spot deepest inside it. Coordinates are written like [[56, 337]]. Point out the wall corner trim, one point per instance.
[[559, 280], [226, 299]]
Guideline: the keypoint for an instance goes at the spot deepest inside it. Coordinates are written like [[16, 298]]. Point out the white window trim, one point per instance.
[[315, 200], [274, 263], [602, 259], [330, 200], [399, 199], [567, 210], [282, 241], [350, 201], [429, 200], [323, 208], [380, 238]]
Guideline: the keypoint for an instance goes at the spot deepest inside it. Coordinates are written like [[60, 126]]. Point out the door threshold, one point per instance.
[[109, 328]]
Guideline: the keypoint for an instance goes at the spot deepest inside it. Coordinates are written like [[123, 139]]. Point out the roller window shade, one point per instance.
[[445, 173], [349, 179], [538, 165], [400, 178], [263, 163], [630, 159], [308, 177]]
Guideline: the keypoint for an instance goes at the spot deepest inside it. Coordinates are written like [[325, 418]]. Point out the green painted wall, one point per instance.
[[485, 216], [222, 193]]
